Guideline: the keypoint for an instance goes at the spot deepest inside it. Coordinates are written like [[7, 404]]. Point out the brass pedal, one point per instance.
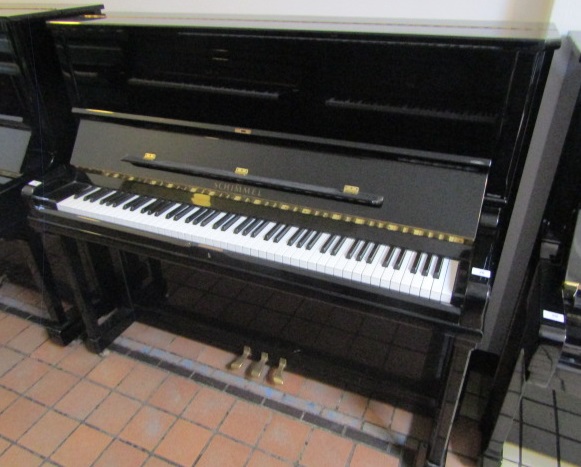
[[277, 376], [239, 361], [257, 368]]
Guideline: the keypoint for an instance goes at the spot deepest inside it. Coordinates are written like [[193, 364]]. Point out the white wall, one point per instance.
[[566, 14]]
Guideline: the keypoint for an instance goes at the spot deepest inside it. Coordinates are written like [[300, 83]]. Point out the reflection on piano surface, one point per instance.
[[351, 181], [544, 346], [37, 131]]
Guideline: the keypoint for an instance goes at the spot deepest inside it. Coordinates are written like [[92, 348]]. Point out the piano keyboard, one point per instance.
[[389, 267]]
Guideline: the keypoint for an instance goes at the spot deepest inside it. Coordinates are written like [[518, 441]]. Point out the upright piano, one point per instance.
[[338, 189], [37, 129], [544, 345]]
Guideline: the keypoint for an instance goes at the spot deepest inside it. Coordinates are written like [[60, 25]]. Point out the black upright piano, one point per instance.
[[543, 349], [348, 183], [37, 129]]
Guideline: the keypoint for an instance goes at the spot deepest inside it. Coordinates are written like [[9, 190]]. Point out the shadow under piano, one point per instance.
[[351, 180]]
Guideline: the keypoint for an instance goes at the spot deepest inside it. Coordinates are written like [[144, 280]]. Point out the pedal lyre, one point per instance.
[[239, 361], [257, 368]]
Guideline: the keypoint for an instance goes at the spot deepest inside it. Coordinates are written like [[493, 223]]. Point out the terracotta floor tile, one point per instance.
[[119, 454], [157, 462], [411, 424], [262, 459], [19, 417], [285, 437], [11, 327], [80, 401], [29, 339], [24, 374], [79, 360], [323, 394], [465, 437], [52, 386], [114, 413], [52, 353], [326, 449], [48, 433], [135, 331], [185, 348], [142, 381], [353, 404], [8, 359], [3, 443], [364, 456], [82, 448], [111, 370], [379, 413], [17, 456], [6, 398], [183, 443], [292, 383], [209, 407], [147, 427], [215, 357], [246, 422], [155, 337], [222, 452], [174, 394]]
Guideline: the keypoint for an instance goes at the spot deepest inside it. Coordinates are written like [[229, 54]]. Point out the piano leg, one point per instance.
[[106, 310], [442, 428], [62, 327]]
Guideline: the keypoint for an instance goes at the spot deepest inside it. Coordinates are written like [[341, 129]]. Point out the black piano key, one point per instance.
[[416, 263], [438, 269], [227, 216], [250, 227], [209, 218], [282, 233], [163, 208], [97, 195], [137, 203], [201, 216], [184, 212], [239, 228], [338, 246], [273, 231], [304, 238], [329, 243], [109, 198], [259, 228], [196, 213], [364, 249], [354, 247], [388, 256], [122, 199], [426, 268], [84, 191], [314, 239], [295, 236], [372, 253], [230, 222], [150, 208], [399, 260], [176, 210]]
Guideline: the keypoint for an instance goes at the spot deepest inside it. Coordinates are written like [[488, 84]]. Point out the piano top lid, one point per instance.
[[18, 11], [528, 31]]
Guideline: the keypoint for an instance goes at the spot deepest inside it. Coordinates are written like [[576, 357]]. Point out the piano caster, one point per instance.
[[239, 361], [256, 368], [277, 376]]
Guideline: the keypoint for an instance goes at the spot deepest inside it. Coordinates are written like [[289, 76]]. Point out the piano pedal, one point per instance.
[[239, 361], [277, 376], [256, 368]]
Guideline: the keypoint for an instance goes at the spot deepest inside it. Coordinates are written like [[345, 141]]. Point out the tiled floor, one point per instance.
[[155, 398]]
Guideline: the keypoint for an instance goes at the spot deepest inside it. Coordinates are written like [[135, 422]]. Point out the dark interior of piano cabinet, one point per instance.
[[467, 100]]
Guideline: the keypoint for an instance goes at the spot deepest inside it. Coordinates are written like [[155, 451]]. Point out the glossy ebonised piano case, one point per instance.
[[37, 130], [337, 191]]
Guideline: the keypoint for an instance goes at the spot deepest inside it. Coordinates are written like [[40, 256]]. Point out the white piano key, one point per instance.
[[416, 285], [449, 280], [428, 280], [398, 274], [438, 285]]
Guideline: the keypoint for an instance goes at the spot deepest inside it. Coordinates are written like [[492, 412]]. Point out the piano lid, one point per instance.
[[16, 11]]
